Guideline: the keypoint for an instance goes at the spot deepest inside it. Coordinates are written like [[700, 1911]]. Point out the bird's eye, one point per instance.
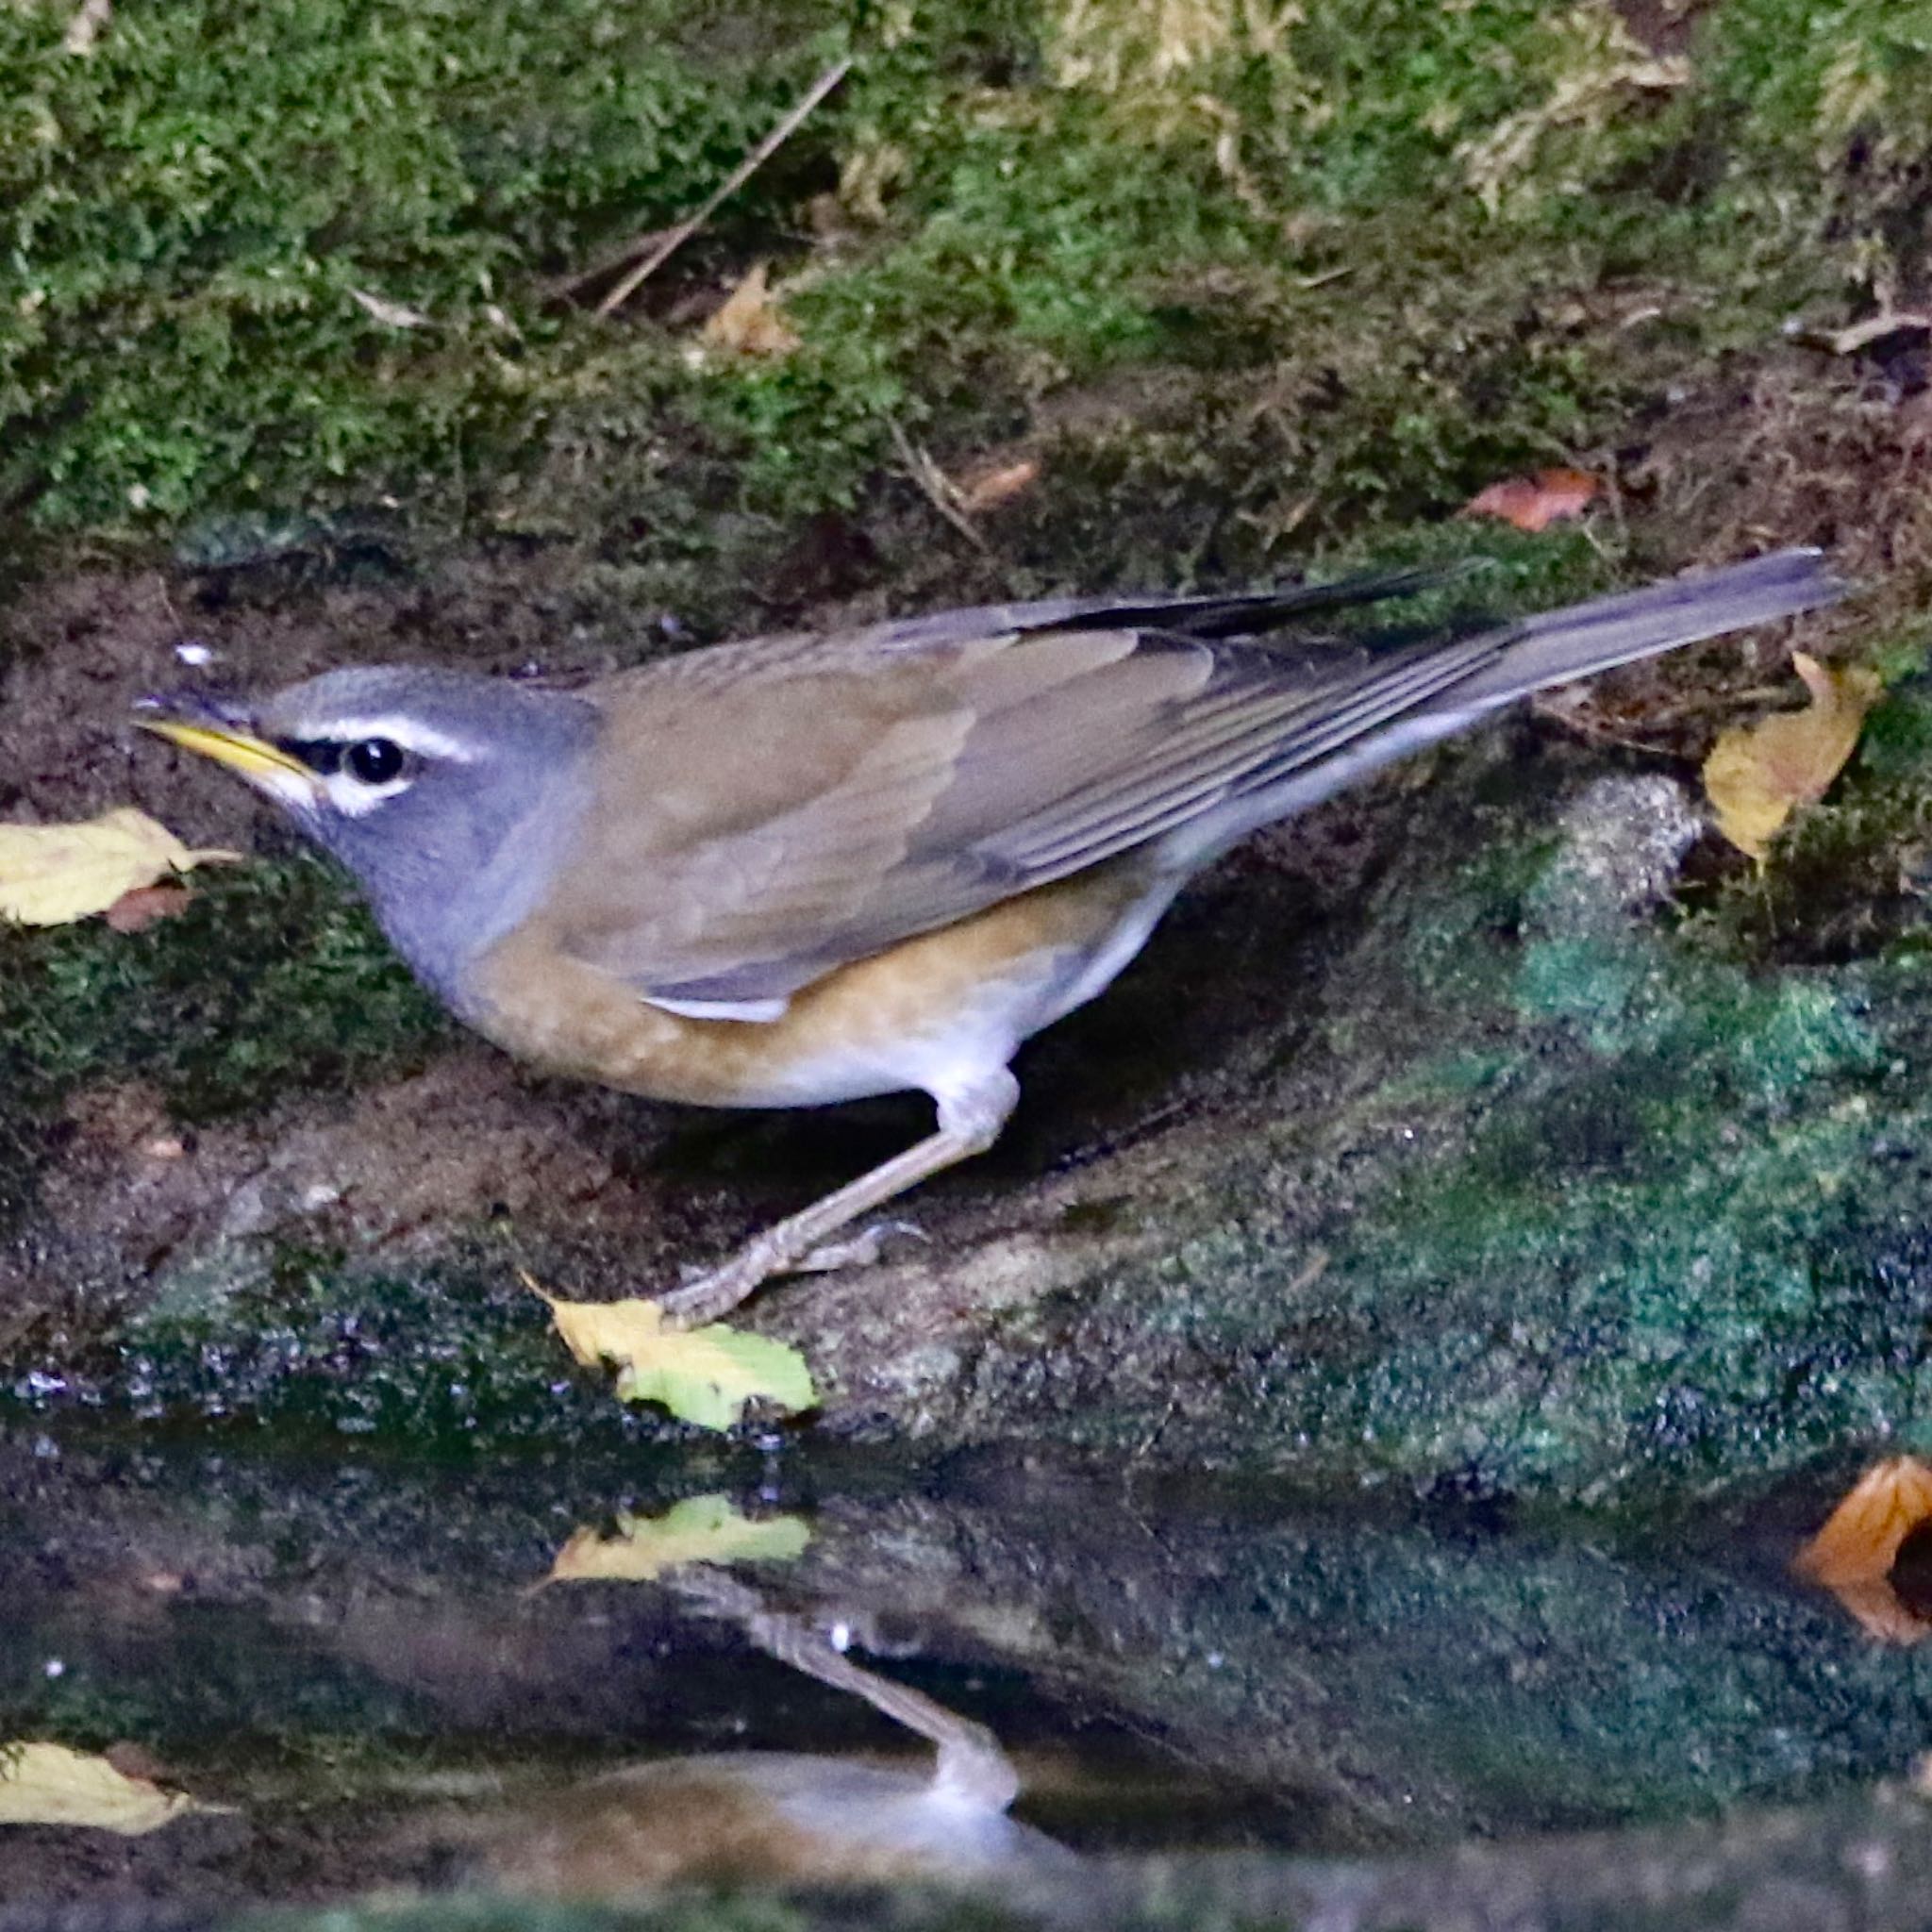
[[374, 760]]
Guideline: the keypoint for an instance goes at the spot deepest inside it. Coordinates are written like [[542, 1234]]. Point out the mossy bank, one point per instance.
[[1490, 1133]]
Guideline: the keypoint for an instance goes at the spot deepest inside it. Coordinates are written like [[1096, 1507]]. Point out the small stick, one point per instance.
[[936, 487], [733, 182]]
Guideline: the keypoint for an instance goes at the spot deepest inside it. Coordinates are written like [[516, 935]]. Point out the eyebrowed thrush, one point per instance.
[[808, 868]]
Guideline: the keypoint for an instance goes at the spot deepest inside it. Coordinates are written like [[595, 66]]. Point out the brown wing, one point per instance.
[[794, 804], [785, 818]]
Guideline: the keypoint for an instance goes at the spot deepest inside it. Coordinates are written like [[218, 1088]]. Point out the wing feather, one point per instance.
[[851, 808]]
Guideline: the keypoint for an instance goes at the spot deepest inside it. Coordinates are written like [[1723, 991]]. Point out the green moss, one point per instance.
[[273, 980], [443, 1356], [190, 207], [1377, 209], [1653, 1248]]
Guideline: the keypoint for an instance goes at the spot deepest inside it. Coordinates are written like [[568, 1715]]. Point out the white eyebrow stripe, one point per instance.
[[425, 741]]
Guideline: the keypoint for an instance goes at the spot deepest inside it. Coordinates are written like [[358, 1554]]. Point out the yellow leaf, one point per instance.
[[1756, 774], [49, 1784], [701, 1529], [53, 874], [702, 1375], [750, 323]]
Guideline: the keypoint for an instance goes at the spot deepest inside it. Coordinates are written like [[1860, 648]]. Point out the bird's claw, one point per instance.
[[862, 1250]]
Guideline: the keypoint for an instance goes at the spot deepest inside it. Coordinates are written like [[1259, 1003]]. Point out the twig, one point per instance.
[[937, 487], [733, 182], [613, 260]]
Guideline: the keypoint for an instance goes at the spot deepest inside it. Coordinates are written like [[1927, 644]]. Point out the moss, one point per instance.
[[1544, 1212], [446, 1355], [1348, 202], [271, 980]]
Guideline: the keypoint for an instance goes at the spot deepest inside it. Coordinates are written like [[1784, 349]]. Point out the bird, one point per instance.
[[803, 868]]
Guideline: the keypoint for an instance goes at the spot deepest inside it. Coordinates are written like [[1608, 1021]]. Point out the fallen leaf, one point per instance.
[[1756, 774], [136, 910], [1853, 1554], [50, 1784], [702, 1375], [54, 874], [991, 487], [1534, 503], [701, 1529], [750, 323], [1860, 1541]]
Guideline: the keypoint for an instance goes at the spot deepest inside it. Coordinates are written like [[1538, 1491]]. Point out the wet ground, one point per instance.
[[587, 1678]]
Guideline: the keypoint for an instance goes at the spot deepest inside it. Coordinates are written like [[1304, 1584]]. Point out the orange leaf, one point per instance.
[[1534, 503], [1860, 1541], [991, 488], [138, 909]]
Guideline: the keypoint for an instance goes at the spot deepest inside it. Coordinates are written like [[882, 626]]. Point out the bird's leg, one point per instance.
[[969, 1122]]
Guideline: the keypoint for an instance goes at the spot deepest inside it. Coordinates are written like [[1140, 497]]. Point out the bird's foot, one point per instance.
[[705, 1296], [861, 1250]]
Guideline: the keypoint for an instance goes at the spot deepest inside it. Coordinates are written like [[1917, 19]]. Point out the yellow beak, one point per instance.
[[254, 759]]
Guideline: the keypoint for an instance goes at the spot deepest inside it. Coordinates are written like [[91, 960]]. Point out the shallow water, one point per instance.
[[394, 1674]]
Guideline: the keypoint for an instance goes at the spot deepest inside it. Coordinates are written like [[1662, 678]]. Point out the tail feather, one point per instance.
[[1559, 646], [1387, 718]]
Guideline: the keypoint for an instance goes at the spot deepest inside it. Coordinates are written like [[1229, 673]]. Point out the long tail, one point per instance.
[[1560, 645], [1429, 692]]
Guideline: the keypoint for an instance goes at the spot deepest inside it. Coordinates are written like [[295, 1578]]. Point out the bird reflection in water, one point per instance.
[[763, 1818]]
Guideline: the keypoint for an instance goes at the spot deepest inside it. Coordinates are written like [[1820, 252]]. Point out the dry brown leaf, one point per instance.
[[701, 1529], [1852, 1555], [1757, 775], [989, 489], [751, 323], [1860, 1541], [138, 909], [1534, 503], [54, 874], [50, 1784]]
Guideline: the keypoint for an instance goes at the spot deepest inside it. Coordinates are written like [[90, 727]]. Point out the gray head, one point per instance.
[[442, 791]]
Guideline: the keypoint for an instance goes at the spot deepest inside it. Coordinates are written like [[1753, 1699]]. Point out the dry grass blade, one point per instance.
[[936, 487], [678, 236]]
